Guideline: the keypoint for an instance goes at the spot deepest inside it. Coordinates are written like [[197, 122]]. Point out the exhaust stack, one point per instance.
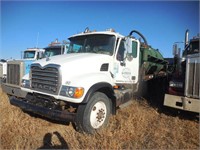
[[186, 37]]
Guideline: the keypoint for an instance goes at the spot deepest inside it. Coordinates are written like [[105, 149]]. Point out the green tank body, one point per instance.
[[152, 61]]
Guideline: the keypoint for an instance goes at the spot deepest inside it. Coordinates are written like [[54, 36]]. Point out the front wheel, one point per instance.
[[95, 114]]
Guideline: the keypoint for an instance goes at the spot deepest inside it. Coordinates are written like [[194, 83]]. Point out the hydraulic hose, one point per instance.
[[144, 39]]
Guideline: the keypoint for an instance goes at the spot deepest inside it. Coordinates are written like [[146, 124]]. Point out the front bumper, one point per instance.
[[183, 103], [13, 90], [46, 112]]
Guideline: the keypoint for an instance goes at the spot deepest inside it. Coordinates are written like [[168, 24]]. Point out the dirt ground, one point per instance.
[[140, 125]]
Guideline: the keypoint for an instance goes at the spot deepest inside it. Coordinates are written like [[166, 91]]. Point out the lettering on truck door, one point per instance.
[[126, 65]]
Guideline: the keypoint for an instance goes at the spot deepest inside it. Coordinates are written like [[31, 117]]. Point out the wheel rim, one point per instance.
[[98, 115]]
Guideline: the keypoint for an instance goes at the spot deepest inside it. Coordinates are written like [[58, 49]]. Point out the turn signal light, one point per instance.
[[78, 92]]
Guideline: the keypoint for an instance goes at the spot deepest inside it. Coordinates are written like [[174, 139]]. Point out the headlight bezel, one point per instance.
[[72, 92]]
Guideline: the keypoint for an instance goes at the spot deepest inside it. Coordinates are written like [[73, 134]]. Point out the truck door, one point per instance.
[[126, 65]]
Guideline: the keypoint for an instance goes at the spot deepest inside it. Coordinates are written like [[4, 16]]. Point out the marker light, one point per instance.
[[176, 84]]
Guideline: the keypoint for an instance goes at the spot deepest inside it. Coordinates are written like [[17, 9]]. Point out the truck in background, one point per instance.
[[56, 48], [183, 90], [101, 71], [33, 54], [16, 69], [29, 55], [3, 69]]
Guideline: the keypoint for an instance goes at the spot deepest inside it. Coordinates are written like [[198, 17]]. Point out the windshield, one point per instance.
[[98, 43], [52, 51], [194, 47], [29, 54]]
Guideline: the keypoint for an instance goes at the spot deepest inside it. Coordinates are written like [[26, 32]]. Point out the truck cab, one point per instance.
[[56, 48], [101, 71], [33, 54]]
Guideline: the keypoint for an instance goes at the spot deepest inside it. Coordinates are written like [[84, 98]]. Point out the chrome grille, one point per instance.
[[13, 73], [45, 79], [192, 88]]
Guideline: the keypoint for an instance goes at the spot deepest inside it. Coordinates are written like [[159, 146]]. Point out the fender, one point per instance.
[[102, 86], [91, 82]]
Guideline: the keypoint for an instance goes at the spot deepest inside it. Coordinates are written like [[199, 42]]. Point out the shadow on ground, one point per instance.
[[49, 144]]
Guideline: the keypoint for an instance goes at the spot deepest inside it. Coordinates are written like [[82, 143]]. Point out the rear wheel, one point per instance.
[[94, 115]]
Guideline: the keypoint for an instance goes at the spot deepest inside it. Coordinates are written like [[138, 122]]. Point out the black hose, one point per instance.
[[144, 39], [86, 29]]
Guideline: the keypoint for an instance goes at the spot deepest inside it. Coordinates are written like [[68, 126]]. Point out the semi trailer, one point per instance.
[[102, 71]]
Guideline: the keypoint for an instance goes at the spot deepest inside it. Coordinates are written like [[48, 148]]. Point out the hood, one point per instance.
[[78, 64], [75, 58]]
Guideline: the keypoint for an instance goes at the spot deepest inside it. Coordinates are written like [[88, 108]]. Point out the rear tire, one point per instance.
[[94, 115]]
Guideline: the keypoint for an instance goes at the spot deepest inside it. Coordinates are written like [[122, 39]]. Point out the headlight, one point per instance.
[[72, 92], [25, 83], [176, 84]]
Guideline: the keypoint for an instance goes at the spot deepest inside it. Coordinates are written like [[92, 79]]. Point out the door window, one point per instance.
[[134, 49], [120, 53]]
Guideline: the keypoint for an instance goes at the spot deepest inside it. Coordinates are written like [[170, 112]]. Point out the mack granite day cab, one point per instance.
[[184, 90], [101, 71], [18, 68]]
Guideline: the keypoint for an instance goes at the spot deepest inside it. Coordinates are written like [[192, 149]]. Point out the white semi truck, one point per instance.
[[16, 69], [183, 91], [101, 71], [28, 56]]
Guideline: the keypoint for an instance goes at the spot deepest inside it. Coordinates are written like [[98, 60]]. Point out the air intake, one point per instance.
[[104, 67]]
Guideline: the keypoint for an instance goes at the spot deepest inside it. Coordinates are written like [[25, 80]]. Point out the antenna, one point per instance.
[[37, 40]]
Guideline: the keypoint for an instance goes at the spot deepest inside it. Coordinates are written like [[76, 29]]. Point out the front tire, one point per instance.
[[94, 115]]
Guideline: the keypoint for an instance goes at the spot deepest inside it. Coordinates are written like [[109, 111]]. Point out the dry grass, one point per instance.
[[137, 126]]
